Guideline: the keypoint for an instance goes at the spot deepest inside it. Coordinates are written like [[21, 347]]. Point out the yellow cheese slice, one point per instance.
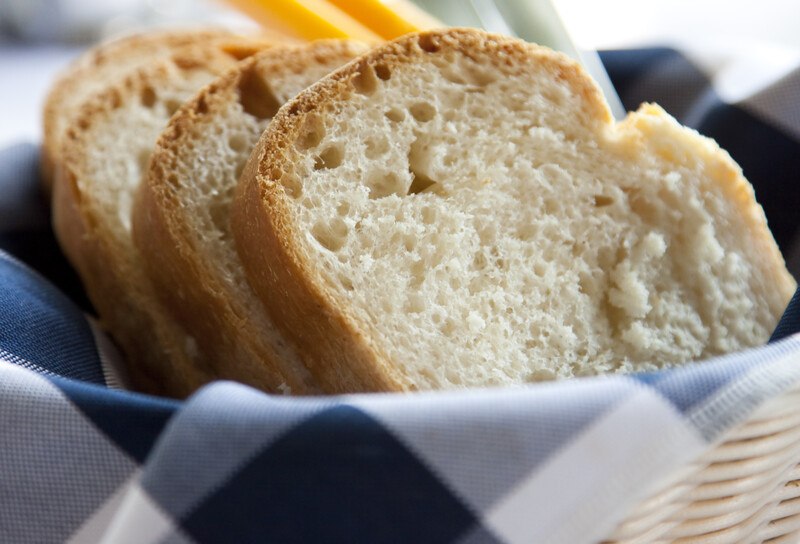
[[389, 18], [307, 19]]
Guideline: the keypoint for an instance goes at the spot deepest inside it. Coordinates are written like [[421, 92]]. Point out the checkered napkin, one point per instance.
[[83, 461]]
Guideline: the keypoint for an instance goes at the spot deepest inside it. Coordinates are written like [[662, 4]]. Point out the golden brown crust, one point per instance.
[[157, 350], [101, 65], [168, 241], [338, 351], [91, 68], [341, 352], [119, 310]]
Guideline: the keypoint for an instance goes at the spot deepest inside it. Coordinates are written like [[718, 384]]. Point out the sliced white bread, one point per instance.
[[459, 209], [97, 69], [105, 153], [181, 218]]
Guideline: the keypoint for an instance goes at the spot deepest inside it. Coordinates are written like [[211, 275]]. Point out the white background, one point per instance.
[[606, 24]]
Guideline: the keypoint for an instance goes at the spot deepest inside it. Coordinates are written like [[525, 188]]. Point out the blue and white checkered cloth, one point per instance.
[[84, 461]]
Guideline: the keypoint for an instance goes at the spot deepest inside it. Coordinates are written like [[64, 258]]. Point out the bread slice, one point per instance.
[[96, 70], [458, 209], [181, 218], [106, 150]]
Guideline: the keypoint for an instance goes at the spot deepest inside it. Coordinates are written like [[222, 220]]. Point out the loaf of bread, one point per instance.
[[103, 156], [458, 209], [181, 218], [453, 209]]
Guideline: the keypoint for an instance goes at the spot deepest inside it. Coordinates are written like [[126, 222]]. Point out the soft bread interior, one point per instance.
[[222, 145], [102, 67], [106, 153], [181, 222], [123, 145], [467, 202]]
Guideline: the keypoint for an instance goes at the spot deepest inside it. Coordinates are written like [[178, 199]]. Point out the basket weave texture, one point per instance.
[[746, 489]]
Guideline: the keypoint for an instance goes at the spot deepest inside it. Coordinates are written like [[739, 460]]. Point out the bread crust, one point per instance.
[[95, 69], [159, 354], [189, 285], [342, 349]]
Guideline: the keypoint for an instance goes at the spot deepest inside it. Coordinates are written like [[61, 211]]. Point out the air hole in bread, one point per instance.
[[240, 164], [418, 269], [418, 161], [116, 99], [526, 231], [487, 233], [395, 115], [292, 185], [218, 209], [346, 282], [240, 51], [331, 235], [415, 303], [422, 111], [383, 72], [479, 112], [540, 374], [382, 184], [331, 157], [188, 62], [410, 242], [237, 142], [453, 76], [256, 96], [587, 284], [365, 81], [422, 183], [172, 106], [481, 78], [428, 43], [448, 328], [557, 96], [602, 200], [640, 205], [429, 215], [376, 146], [202, 105], [148, 97], [142, 158], [311, 134], [343, 208]]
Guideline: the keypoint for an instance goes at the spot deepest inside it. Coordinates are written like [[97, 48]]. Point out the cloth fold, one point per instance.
[[554, 462]]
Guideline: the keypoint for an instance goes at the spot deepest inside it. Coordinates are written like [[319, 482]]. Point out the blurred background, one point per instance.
[[38, 37]]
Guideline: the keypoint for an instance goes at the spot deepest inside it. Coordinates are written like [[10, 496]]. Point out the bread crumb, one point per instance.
[[475, 322]]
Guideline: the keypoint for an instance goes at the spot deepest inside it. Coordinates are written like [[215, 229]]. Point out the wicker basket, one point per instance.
[[746, 489]]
